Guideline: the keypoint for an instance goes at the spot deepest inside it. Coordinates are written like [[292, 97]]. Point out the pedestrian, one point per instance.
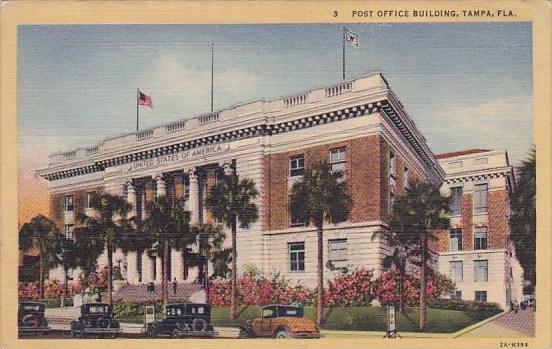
[[174, 286], [152, 288]]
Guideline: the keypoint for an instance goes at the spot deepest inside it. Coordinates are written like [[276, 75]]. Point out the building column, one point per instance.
[[158, 262], [194, 197], [161, 186], [147, 268], [177, 267], [160, 191], [132, 271]]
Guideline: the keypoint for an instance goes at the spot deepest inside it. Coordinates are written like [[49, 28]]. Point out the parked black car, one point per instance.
[[189, 319], [30, 318], [95, 319]]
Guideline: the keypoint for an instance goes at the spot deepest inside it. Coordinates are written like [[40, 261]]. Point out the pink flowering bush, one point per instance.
[[353, 288], [256, 289], [28, 290], [386, 287], [52, 290], [97, 281]]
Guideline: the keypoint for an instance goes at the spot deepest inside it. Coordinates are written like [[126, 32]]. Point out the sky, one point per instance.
[[465, 85]]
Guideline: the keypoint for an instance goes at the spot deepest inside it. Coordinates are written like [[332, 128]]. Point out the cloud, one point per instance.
[[236, 82]]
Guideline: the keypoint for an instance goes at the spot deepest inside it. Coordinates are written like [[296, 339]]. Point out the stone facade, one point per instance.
[[484, 226], [379, 145]]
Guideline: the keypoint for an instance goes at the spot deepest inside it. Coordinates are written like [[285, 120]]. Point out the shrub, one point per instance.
[[351, 288], [97, 281], [462, 305], [28, 291], [386, 287], [127, 308], [347, 289]]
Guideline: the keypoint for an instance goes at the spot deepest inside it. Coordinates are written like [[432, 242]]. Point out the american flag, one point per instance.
[[144, 100]]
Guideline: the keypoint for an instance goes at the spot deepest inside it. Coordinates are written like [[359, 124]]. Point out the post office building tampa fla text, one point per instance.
[[361, 128]]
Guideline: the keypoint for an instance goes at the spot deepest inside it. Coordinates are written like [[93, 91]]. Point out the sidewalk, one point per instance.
[[511, 324]]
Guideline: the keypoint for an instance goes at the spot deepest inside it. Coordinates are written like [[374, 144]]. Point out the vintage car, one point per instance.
[[30, 318], [183, 320], [280, 321], [95, 319]]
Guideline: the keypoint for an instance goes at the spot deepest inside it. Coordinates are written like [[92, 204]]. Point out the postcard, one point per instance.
[[279, 174]]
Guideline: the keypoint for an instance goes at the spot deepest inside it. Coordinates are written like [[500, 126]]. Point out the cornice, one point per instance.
[[264, 128]]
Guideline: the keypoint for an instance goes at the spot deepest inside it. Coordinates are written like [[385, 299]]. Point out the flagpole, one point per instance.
[[344, 35], [212, 72], [137, 107]]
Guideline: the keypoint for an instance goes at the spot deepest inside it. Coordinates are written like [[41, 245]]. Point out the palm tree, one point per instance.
[[402, 252], [523, 223], [320, 195], [209, 242], [107, 228], [417, 214], [68, 259], [43, 234], [231, 201], [167, 224], [87, 262]]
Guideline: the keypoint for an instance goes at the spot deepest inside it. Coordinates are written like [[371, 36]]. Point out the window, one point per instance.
[[68, 203], [456, 201], [480, 199], [480, 238], [89, 197], [392, 165], [68, 231], [337, 250], [295, 219], [405, 177], [455, 240], [456, 271], [391, 202], [296, 165], [338, 158], [296, 256], [481, 270], [480, 296], [456, 295]]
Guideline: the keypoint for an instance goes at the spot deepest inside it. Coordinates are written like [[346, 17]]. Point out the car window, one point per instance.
[[31, 307], [268, 313], [97, 309], [290, 311]]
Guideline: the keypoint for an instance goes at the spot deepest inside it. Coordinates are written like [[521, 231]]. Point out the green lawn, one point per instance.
[[356, 318]]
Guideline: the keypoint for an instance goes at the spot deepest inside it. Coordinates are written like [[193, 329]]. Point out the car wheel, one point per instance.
[[282, 334], [243, 334], [30, 320], [199, 325], [150, 333]]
